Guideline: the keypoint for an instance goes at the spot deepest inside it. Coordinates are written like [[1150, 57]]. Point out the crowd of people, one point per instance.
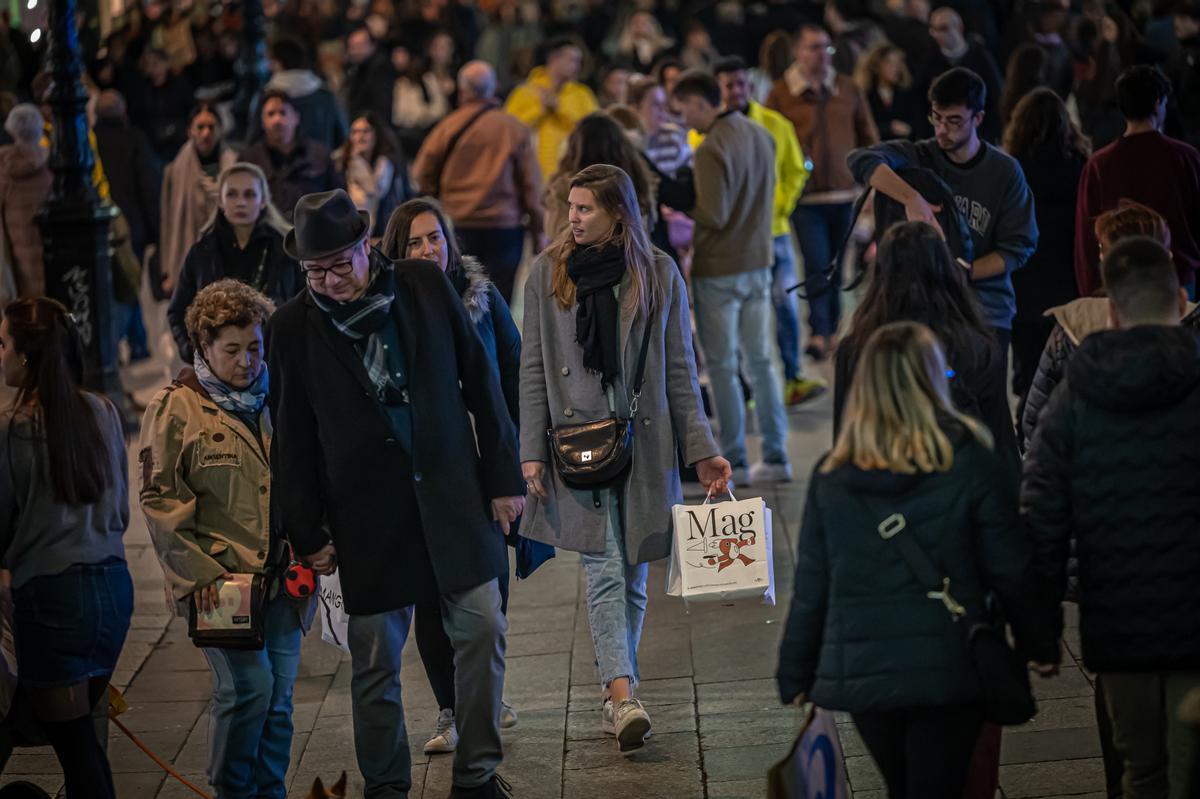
[[331, 267]]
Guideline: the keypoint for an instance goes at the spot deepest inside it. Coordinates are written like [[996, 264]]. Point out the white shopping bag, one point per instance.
[[335, 622], [722, 551]]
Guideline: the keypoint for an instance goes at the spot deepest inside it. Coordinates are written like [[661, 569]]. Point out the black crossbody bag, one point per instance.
[[1005, 690], [594, 455]]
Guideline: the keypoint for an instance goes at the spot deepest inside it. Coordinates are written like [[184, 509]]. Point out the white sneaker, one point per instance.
[[508, 716], [763, 472], [631, 723], [606, 718], [446, 738]]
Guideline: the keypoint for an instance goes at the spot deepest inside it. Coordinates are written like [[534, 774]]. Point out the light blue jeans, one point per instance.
[[250, 724], [733, 314], [787, 310], [616, 598]]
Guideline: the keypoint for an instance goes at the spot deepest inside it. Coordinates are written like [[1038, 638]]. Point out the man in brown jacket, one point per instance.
[[480, 162], [731, 272], [832, 118]]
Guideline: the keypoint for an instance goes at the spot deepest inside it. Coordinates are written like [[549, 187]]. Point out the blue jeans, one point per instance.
[[131, 326], [616, 599], [821, 229], [787, 312], [733, 314], [250, 725]]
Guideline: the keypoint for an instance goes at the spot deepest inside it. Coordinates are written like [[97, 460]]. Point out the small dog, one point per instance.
[[338, 791]]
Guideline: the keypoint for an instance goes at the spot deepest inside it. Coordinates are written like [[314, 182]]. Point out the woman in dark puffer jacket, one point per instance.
[[862, 636]]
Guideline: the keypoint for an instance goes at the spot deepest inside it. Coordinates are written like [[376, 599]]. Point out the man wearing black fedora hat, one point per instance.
[[382, 475]]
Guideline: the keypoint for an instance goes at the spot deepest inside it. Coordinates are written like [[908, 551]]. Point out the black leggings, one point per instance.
[[84, 762], [922, 752], [437, 653]]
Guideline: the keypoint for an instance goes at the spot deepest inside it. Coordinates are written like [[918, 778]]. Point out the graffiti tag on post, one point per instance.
[[79, 302]]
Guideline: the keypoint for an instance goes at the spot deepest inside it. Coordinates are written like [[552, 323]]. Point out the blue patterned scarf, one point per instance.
[[244, 401]]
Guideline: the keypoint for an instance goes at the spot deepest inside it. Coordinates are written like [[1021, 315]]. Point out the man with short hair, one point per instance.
[[791, 173], [956, 49], [731, 272], [831, 117], [294, 164], [1114, 468], [552, 101], [1146, 166], [481, 164], [988, 184], [370, 77], [397, 462]]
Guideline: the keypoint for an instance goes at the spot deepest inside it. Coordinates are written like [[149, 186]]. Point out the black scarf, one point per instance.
[[594, 271]]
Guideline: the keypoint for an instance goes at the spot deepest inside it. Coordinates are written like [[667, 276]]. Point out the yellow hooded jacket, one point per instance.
[[790, 171], [550, 128]]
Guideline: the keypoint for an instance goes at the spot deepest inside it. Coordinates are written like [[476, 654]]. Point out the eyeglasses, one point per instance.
[[949, 123], [316, 274], [816, 48]]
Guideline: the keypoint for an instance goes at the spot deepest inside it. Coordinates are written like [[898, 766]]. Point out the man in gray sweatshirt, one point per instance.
[[989, 189]]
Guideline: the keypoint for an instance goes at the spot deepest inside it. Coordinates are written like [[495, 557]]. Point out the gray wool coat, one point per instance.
[[556, 390]]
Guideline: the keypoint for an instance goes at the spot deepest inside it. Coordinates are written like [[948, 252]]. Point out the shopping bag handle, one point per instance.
[[728, 490]]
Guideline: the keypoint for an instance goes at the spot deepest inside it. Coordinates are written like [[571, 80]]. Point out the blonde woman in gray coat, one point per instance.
[[589, 301]]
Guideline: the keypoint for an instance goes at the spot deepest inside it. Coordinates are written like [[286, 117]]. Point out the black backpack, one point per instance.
[[888, 212]]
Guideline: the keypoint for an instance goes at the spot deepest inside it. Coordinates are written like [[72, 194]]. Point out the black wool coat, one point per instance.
[[861, 635], [406, 525], [1115, 465]]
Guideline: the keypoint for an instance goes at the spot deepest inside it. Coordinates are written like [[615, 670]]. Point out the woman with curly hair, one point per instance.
[[597, 139], [206, 491]]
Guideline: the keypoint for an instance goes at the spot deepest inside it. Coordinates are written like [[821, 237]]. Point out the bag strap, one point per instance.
[[435, 190], [928, 575], [836, 263], [640, 374]]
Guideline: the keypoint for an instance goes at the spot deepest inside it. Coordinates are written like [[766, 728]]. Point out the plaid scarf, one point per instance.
[[363, 319], [246, 401]]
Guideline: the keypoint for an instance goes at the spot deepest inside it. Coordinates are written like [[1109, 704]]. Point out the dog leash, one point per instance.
[[118, 705]]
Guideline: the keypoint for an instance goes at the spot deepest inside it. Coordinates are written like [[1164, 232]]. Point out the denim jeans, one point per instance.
[[476, 628], [250, 726], [616, 599], [821, 229], [131, 326], [733, 315], [500, 250], [787, 312]]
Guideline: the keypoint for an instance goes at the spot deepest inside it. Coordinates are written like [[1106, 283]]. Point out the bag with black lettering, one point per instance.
[[722, 551]]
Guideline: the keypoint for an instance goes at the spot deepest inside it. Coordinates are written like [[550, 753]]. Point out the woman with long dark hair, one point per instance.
[[862, 635], [1052, 152], [420, 229], [595, 298], [64, 496], [597, 139], [914, 279], [374, 168], [1026, 70]]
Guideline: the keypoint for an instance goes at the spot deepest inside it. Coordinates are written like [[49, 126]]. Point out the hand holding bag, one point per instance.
[[1003, 675], [722, 551], [813, 768], [597, 454], [238, 623]]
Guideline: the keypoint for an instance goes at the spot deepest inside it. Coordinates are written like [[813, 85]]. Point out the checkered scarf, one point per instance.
[[363, 318]]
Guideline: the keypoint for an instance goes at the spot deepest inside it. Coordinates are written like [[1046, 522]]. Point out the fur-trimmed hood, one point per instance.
[[475, 288]]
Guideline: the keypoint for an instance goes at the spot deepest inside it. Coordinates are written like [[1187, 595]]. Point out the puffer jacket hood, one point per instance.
[[1144, 368], [474, 286], [295, 82], [1081, 317]]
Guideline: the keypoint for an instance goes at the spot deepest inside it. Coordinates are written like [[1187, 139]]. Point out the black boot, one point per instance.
[[495, 788]]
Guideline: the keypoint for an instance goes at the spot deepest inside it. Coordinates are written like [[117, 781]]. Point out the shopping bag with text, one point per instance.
[[722, 550]]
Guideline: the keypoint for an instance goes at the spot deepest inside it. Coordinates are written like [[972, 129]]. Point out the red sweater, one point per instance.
[[1154, 170]]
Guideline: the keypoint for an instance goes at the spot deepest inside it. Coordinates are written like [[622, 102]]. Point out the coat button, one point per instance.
[[568, 412], [390, 441], [566, 371], [262, 489], [416, 477], [262, 555]]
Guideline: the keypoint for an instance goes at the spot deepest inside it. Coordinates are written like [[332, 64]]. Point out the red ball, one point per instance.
[[300, 581]]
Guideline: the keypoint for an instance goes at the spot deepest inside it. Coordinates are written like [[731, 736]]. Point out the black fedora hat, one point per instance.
[[326, 223]]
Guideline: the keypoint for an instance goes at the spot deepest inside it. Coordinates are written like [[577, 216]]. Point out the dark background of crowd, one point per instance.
[[163, 57]]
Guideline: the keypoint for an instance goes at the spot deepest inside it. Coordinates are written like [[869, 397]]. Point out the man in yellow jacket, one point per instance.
[[551, 101], [791, 173]]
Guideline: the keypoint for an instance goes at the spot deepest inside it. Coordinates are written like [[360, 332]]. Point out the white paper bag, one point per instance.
[[335, 622], [722, 551]]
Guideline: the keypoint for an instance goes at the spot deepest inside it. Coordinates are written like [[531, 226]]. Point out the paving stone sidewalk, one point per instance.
[[707, 684]]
